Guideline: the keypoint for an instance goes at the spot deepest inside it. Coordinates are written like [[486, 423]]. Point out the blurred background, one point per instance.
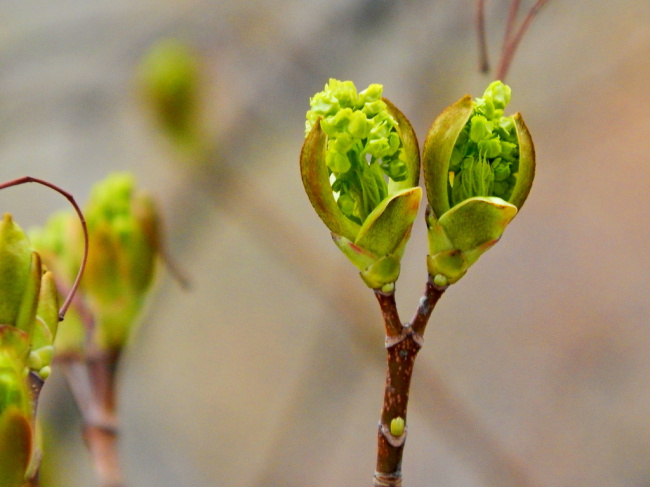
[[270, 370]]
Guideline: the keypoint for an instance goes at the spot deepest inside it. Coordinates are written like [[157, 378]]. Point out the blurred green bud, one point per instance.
[[360, 167], [123, 248], [478, 169], [123, 233], [169, 81]]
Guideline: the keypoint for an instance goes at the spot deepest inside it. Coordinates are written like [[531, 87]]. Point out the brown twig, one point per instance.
[[92, 382], [510, 24], [401, 351], [91, 377], [511, 42]]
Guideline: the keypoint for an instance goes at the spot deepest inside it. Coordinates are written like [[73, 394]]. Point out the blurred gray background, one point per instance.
[[270, 370]]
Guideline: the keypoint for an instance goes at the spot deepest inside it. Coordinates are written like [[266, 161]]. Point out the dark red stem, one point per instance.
[[511, 42], [403, 342]]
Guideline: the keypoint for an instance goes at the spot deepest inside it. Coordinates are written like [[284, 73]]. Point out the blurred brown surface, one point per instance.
[[270, 371]]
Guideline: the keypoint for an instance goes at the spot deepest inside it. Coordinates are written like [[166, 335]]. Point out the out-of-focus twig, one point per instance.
[[483, 58], [512, 41]]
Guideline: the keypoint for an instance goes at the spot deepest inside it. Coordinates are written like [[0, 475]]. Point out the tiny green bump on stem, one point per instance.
[[397, 426], [440, 280]]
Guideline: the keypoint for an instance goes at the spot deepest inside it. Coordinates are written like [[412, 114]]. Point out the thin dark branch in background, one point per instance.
[[483, 60], [511, 42], [510, 24]]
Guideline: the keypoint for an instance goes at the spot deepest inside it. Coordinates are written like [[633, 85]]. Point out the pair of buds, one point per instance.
[[360, 166]]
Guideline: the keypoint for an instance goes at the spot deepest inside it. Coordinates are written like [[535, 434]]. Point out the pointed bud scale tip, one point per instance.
[[15, 264]]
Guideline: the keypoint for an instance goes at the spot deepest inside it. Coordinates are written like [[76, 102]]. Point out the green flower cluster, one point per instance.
[[485, 158], [364, 149]]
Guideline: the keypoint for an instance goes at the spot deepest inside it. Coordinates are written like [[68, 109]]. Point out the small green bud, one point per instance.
[[441, 280], [397, 426]]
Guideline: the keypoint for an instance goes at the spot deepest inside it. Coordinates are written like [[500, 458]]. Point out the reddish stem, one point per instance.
[[511, 42], [510, 24], [402, 346]]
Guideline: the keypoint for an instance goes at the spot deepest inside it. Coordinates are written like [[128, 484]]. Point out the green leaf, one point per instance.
[[477, 221], [29, 302], [15, 258], [385, 228]]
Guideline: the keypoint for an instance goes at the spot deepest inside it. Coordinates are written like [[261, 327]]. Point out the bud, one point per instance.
[[123, 234], [360, 167], [123, 247], [169, 83], [397, 426], [478, 170]]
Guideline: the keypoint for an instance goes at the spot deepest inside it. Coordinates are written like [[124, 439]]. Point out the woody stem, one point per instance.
[[402, 346]]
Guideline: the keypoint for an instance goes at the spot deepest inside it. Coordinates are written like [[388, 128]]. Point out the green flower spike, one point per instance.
[[478, 170], [360, 166]]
